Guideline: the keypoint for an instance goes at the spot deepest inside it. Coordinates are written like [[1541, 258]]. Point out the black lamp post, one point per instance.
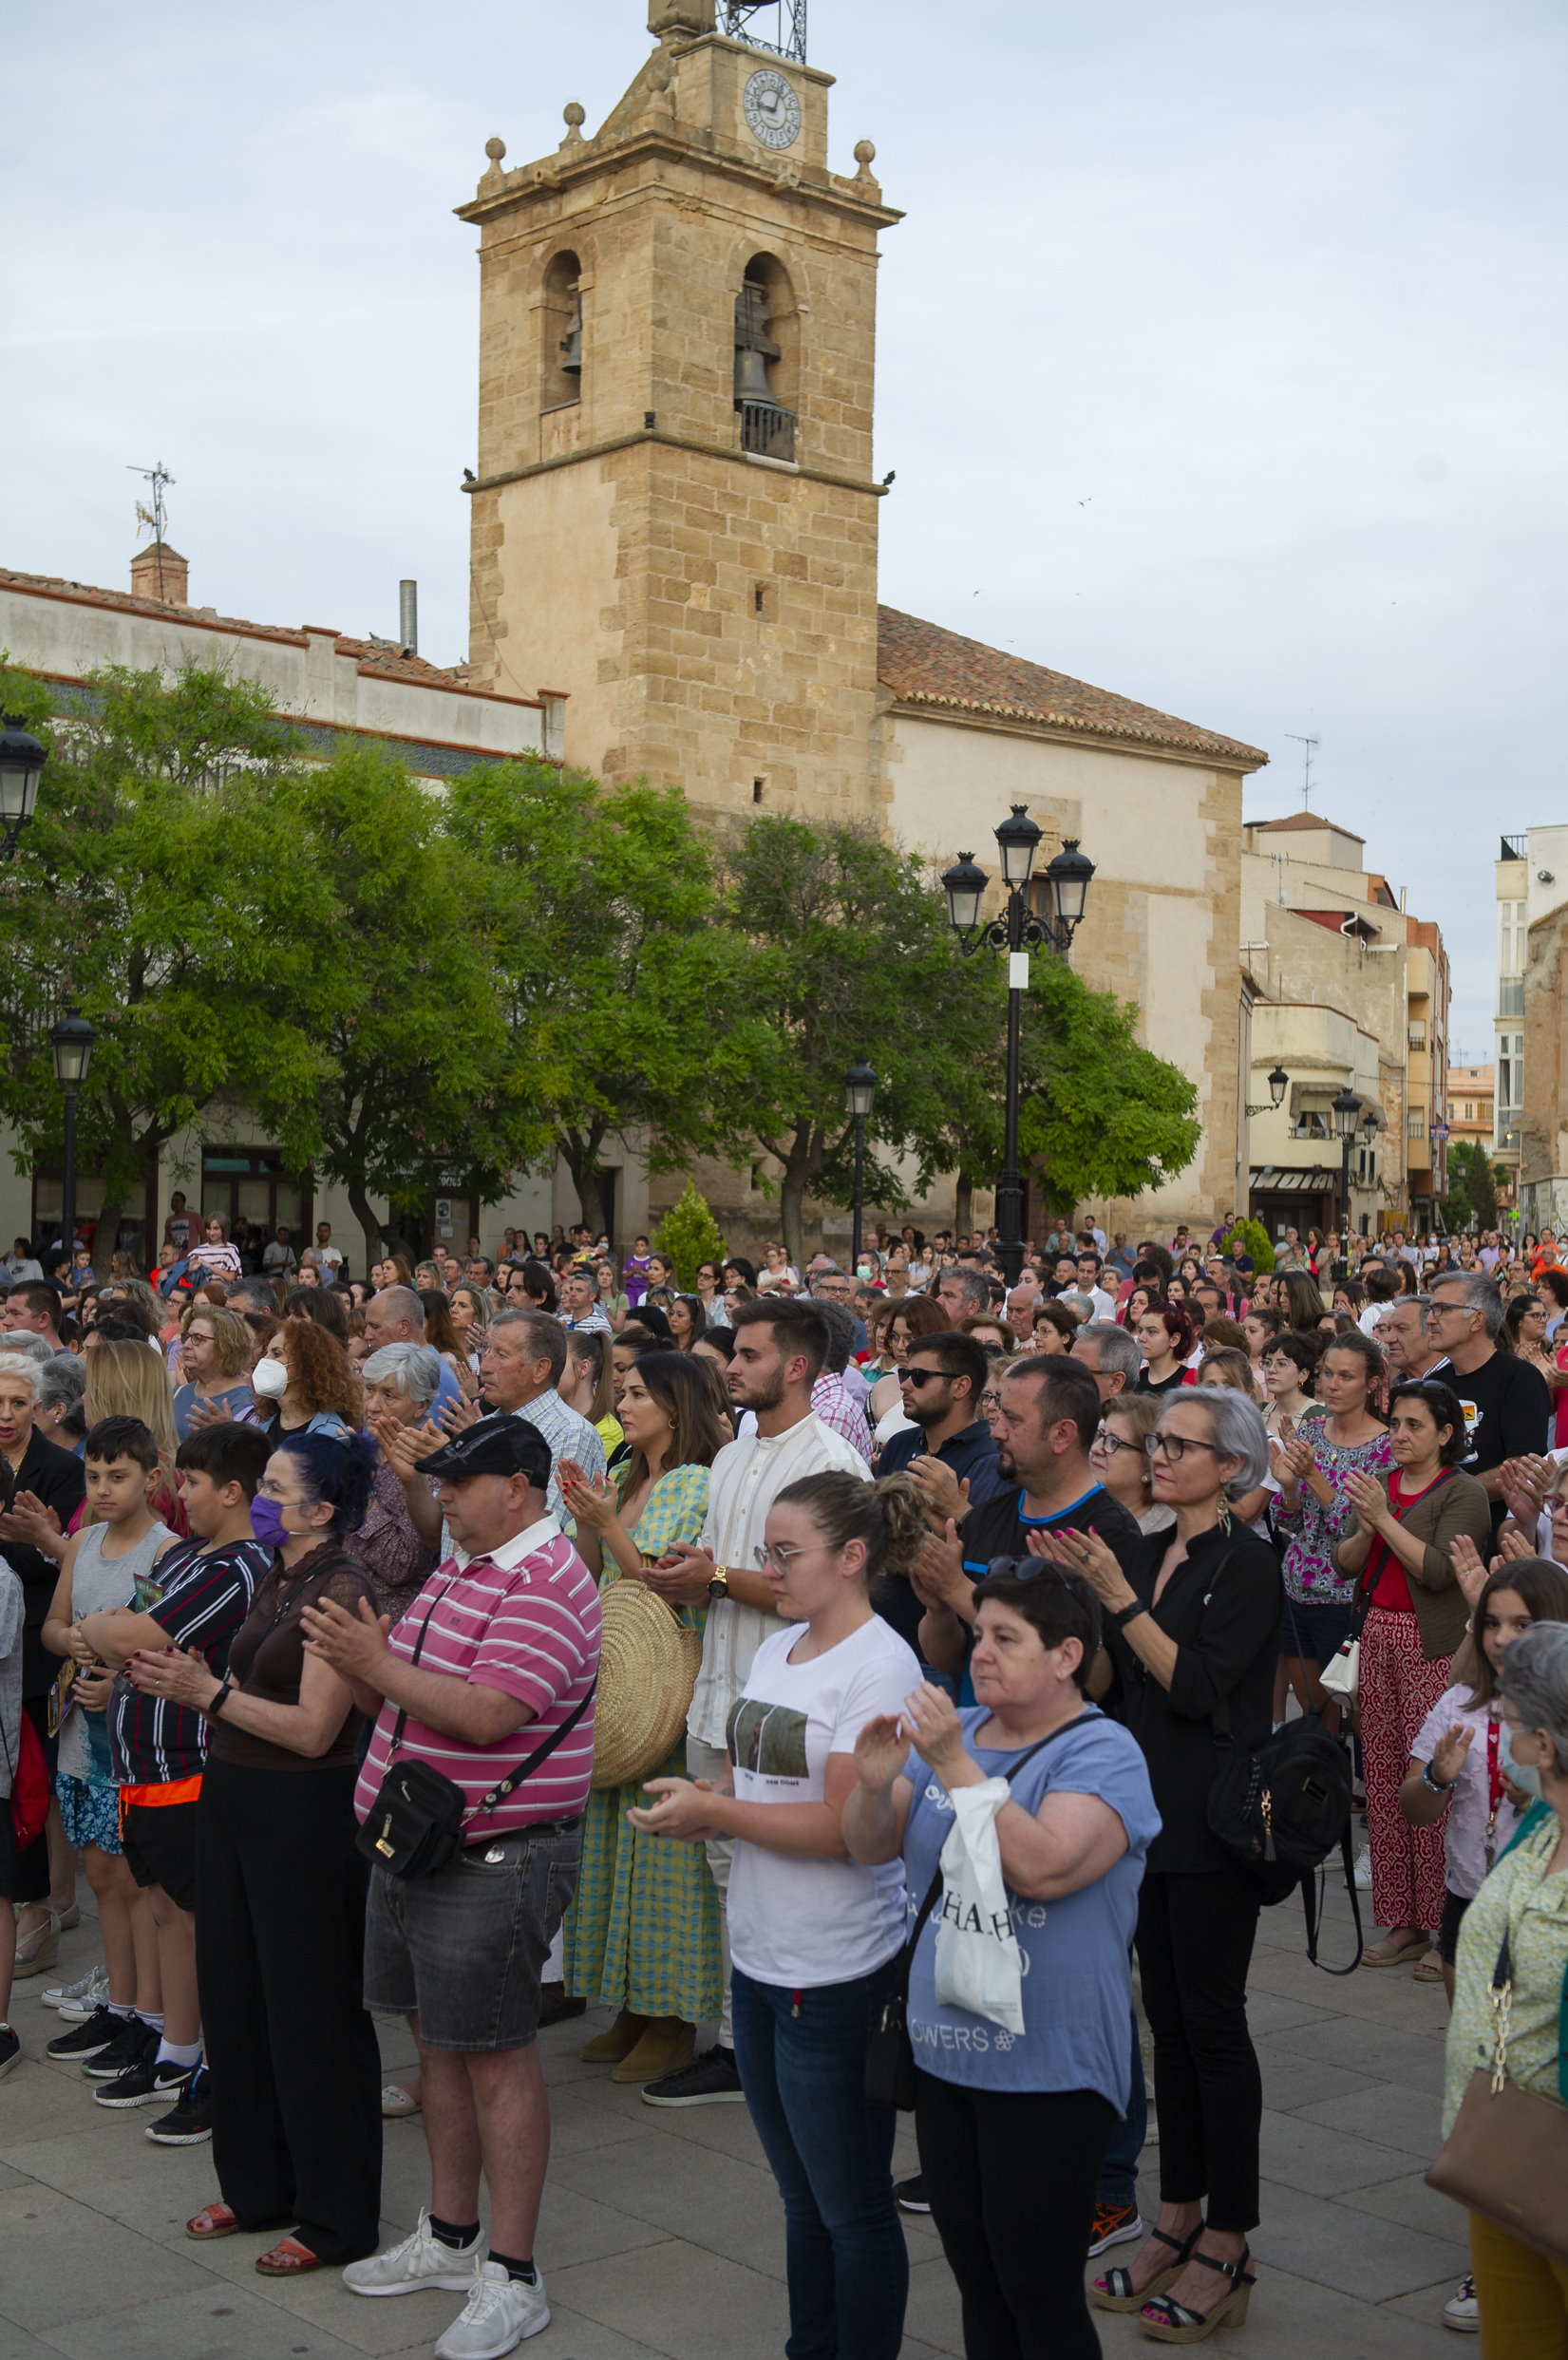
[[22, 761], [71, 1040], [1279, 1083], [1068, 880], [860, 1089], [1347, 1108]]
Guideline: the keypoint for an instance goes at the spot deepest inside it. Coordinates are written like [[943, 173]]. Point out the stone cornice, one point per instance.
[[676, 443], [510, 191], [998, 720]]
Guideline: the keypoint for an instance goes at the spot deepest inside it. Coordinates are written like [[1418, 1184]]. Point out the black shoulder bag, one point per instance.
[[1282, 1809], [890, 2056], [415, 1824]]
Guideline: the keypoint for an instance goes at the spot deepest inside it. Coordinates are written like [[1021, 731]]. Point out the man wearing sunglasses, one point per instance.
[[950, 1450]]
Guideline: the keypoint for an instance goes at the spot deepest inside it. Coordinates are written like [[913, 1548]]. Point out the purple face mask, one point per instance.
[[266, 1521]]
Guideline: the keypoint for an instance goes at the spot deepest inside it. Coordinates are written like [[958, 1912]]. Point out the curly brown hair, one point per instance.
[[320, 1377]]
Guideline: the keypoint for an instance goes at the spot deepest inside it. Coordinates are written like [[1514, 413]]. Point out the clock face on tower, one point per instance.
[[772, 109]]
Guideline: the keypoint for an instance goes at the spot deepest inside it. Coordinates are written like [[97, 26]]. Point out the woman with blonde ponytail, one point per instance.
[[813, 1935]]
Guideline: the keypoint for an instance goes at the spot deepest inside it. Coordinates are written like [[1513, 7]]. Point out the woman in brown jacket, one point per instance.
[[1400, 1544]]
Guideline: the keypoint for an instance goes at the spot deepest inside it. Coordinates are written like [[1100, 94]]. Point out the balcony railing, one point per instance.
[[1510, 995], [768, 430]]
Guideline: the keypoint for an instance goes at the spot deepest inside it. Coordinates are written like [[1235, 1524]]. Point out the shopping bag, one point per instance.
[[978, 1959]]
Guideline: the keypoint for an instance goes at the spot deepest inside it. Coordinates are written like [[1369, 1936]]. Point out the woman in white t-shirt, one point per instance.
[[1456, 1773], [813, 1937]]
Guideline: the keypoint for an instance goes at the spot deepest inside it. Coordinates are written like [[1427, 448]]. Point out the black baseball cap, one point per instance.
[[499, 1445]]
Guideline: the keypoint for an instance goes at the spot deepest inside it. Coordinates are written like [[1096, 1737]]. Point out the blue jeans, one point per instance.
[[1118, 2172], [801, 2059]]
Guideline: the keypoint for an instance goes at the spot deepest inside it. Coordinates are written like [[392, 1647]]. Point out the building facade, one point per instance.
[[1531, 1114], [675, 521], [1349, 992]]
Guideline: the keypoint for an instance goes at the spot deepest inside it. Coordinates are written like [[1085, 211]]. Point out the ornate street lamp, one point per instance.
[[860, 1089], [1278, 1084], [1068, 880], [1347, 1108], [72, 1041], [22, 761]]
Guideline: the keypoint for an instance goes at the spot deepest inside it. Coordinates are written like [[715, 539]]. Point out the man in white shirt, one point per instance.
[[329, 1256], [579, 1302], [1088, 1284], [780, 1351]]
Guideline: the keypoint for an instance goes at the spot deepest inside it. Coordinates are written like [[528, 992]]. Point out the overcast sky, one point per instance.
[[1221, 351]]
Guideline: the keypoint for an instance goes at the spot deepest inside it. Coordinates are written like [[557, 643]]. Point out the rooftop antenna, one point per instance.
[[1309, 748], [788, 25], [154, 519]]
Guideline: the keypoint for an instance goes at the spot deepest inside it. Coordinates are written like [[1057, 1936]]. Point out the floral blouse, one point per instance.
[[1311, 1532]]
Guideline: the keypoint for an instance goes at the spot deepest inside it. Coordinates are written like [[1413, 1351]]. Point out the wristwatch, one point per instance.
[[219, 1700], [719, 1587]]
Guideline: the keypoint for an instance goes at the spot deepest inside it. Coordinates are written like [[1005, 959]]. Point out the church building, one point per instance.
[[674, 538]]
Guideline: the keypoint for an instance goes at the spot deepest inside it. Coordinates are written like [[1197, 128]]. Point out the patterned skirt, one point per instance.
[[89, 1812], [643, 1929]]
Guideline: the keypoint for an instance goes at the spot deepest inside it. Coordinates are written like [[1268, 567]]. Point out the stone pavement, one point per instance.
[[662, 2234]]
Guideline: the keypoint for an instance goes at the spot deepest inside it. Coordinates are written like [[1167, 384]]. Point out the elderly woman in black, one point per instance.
[[281, 1887], [1193, 1627]]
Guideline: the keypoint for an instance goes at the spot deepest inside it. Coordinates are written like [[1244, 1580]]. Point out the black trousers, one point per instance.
[[295, 2067], [1195, 1944], [1011, 2176]]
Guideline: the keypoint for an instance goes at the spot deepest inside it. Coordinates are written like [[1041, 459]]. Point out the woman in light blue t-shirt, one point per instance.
[[1012, 2129]]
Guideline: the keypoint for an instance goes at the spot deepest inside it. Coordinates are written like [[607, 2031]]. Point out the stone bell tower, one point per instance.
[[674, 519]]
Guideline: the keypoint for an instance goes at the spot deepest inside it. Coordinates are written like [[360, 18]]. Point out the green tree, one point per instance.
[[1099, 1115], [1250, 1236], [1472, 1187], [412, 1078], [843, 951], [620, 990], [154, 893], [689, 1234]]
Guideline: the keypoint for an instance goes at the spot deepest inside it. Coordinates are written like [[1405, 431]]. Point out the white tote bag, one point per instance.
[[977, 1960]]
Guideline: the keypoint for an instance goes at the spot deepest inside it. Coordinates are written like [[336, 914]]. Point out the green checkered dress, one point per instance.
[[643, 1930]]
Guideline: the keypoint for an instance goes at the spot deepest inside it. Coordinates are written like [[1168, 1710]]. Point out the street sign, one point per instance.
[[1439, 1130]]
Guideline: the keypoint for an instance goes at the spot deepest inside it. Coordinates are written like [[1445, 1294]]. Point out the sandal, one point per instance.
[[1391, 1953], [1166, 2321], [39, 1950], [288, 2259], [1114, 2291], [213, 2220], [1426, 1970]]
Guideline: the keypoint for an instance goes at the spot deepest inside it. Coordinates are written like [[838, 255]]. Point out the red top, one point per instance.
[[1387, 1585]]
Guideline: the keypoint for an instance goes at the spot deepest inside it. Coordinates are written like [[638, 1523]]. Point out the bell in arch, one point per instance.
[[570, 344], [754, 348]]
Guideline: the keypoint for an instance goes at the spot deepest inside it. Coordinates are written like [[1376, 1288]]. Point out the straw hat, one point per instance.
[[648, 1668]]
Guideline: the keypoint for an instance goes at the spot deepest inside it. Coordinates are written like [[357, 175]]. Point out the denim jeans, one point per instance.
[[1119, 2173], [802, 2058]]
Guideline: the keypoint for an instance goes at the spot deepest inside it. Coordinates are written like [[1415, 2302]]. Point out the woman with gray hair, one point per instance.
[[398, 1543], [62, 1383], [1520, 1914], [1192, 1628]]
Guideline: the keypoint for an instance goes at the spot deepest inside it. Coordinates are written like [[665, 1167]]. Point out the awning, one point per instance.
[[1294, 1179]]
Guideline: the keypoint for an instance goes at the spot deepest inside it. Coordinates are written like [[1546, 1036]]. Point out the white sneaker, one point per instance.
[[1364, 1868], [1462, 2310], [498, 2314], [420, 2260], [77, 2001]]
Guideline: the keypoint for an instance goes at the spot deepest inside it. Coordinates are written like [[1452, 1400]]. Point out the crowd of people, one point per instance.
[[302, 1584]]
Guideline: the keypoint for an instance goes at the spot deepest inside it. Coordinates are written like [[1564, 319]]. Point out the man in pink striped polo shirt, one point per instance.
[[507, 1640]]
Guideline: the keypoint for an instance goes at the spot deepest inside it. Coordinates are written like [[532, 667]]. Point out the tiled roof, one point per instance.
[[923, 664], [370, 657], [1304, 819]]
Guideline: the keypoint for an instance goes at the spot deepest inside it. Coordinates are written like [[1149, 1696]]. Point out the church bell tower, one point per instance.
[[674, 519]]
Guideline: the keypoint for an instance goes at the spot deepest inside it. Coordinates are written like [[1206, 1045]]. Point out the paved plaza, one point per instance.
[[662, 2234]]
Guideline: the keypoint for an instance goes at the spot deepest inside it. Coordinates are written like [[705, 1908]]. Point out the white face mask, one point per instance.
[[270, 1378]]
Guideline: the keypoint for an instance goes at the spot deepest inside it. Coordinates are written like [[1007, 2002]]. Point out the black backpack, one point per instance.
[[1283, 1808]]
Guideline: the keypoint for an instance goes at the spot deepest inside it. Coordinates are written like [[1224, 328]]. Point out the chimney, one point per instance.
[[159, 572], [408, 617]]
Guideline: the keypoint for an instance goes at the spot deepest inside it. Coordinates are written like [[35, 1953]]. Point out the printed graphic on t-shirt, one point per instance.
[[1472, 1419], [767, 1739]]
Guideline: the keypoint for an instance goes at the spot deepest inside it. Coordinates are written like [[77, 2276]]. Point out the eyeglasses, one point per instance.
[[1110, 1443], [991, 1400], [1176, 1447], [922, 1376], [774, 1555]]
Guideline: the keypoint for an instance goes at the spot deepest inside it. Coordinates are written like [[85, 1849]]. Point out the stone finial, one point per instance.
[[573, 117], [866, 155], [681, 20], [495, 150]]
